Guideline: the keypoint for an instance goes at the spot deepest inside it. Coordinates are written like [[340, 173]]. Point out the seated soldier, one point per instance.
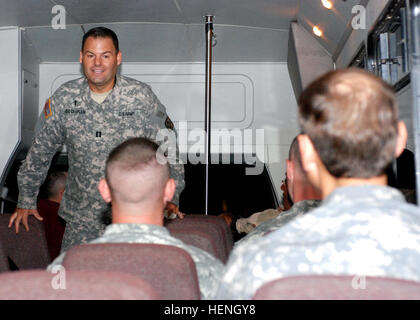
[[240, 225], [138, 186], [51, 193], [351, 133], [304, 196]]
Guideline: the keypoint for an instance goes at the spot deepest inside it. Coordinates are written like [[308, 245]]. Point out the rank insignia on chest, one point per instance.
[[47, 109]]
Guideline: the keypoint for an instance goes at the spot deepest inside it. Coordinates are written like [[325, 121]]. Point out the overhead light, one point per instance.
[[327, 4], [317, 31]]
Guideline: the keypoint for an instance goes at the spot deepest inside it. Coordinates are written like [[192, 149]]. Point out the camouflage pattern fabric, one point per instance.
[[298, 209], [90, 131], [358, 230], [209, 268], [246, 225]]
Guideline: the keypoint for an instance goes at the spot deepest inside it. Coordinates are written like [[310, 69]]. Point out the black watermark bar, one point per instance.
[[211, 309]]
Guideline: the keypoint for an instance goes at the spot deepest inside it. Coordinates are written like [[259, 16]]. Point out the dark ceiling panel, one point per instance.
[[28, 13]]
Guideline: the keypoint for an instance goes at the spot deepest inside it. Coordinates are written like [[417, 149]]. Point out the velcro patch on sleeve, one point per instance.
[[47, 109]]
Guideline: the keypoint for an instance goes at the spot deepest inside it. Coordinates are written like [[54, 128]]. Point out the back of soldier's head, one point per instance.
[[53, 185], [351, 117], [134, 174]]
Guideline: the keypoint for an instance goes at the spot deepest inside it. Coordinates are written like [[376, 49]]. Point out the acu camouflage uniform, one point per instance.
[[209, 269], [246, 225], [358, 230], [90, 131], [298, 209]]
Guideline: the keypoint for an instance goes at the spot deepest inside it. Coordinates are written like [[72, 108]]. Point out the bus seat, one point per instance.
[[197, 238], [204, 224], [169, 269], [27, 249], [220, 221], [333, 287], [73, 285]]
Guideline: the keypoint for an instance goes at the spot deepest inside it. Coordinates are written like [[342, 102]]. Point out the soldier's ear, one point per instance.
[[401, 139], [289, 170], [81, 57], [169, 190], [310, 159], [119, 58], [104, 190]]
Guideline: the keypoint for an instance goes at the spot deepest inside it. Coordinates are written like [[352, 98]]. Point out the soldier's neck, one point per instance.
[[327, 188], [136, 214], [101, 89]]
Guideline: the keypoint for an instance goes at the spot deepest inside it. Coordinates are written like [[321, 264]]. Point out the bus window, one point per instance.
[[360, 59], [387, 46]]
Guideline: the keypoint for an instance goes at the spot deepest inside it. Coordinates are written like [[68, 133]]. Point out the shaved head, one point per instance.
[[134, 175]]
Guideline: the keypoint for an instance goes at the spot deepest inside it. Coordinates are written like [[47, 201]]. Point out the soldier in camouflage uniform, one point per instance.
[[300, 208], [363, 227], [137, 215], [90, 115]]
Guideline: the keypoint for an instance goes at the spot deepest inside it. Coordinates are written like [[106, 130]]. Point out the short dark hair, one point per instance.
[[136, 160], [351, 117], [294, 153], [55, 182], [101, 32]]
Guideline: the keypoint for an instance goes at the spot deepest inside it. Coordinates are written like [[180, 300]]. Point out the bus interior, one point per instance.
[[264, 52]]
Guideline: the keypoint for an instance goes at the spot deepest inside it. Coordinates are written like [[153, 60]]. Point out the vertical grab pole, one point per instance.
[[207, 119], [414, 21]]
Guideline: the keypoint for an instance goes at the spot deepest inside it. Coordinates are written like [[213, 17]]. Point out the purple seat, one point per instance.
[[332, 287], [169, 269], [73, 285], [216, 226], [27, 249], [196, 238], [221, 222]]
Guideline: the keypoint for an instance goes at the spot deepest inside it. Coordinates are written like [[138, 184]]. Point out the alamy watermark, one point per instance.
[[59, 20], [358, 282], [359, 20], [58, 282], [247, 146]]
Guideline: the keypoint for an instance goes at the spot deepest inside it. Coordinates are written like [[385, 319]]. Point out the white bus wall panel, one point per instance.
[[30, 107], [30, 89], [167, 42], [245, 96], [9, 95]]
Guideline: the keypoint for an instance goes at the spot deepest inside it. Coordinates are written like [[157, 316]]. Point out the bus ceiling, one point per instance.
[[158, 28]]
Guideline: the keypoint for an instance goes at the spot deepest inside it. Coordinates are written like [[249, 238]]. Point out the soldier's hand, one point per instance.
[[173, 208], [22, 215]]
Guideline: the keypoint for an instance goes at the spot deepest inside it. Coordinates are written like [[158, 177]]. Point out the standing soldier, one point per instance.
[[90, 115]]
